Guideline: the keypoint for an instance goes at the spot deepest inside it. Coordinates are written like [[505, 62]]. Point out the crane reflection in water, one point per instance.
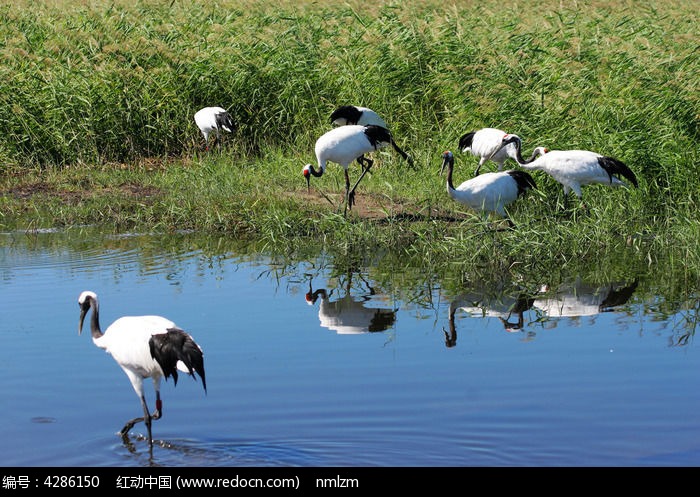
[[579, 299], [509, 309], [546, 306], [349, 312]]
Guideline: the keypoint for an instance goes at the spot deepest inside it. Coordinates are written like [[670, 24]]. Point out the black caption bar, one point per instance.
[[19, 480]]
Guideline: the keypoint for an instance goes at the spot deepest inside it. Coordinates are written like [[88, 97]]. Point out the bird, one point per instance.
[[145, 347], [353, 114], [343, 145], [488, 192], [486, 143], [575, 168], [213, 120]]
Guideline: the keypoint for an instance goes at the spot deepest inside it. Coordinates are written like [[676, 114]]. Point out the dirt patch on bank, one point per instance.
[[367, 206], [374, 207]]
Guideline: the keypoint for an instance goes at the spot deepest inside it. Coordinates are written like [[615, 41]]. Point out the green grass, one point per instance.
[[98, 98]]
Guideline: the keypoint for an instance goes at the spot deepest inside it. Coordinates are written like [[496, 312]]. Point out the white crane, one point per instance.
[[575, 168], [145, 347], [487, 144], [213, 120], [343, 145], [352, 114], [488, 192]]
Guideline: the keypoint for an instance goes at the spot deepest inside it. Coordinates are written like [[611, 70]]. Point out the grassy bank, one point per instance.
[[98, 99]]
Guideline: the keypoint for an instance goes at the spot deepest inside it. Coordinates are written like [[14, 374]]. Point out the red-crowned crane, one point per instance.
[[576, 168], [145, 347], [487, 144], [213, 120], [488, 192], [352, 114], [343, 145]]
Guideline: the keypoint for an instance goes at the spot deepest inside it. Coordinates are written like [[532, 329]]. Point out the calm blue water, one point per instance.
[[352, 377]]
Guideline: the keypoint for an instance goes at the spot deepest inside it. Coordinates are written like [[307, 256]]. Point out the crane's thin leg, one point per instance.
[[566, 197], [146, 418], [349, 196], [366, 164], [478, 167], [511, 226], [159, 407]]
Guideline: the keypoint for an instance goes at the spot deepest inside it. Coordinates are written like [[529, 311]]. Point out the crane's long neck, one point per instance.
[[527, 164], [450, 185], [91, 304], [312, 296], [320, 292], [95, 329], [317, 173], [310, 171], [451, 338]]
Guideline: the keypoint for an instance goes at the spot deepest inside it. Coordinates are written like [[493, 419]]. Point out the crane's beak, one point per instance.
[[84, 308]]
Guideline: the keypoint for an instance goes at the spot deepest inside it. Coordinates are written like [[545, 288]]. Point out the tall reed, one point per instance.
[[104, 89]]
